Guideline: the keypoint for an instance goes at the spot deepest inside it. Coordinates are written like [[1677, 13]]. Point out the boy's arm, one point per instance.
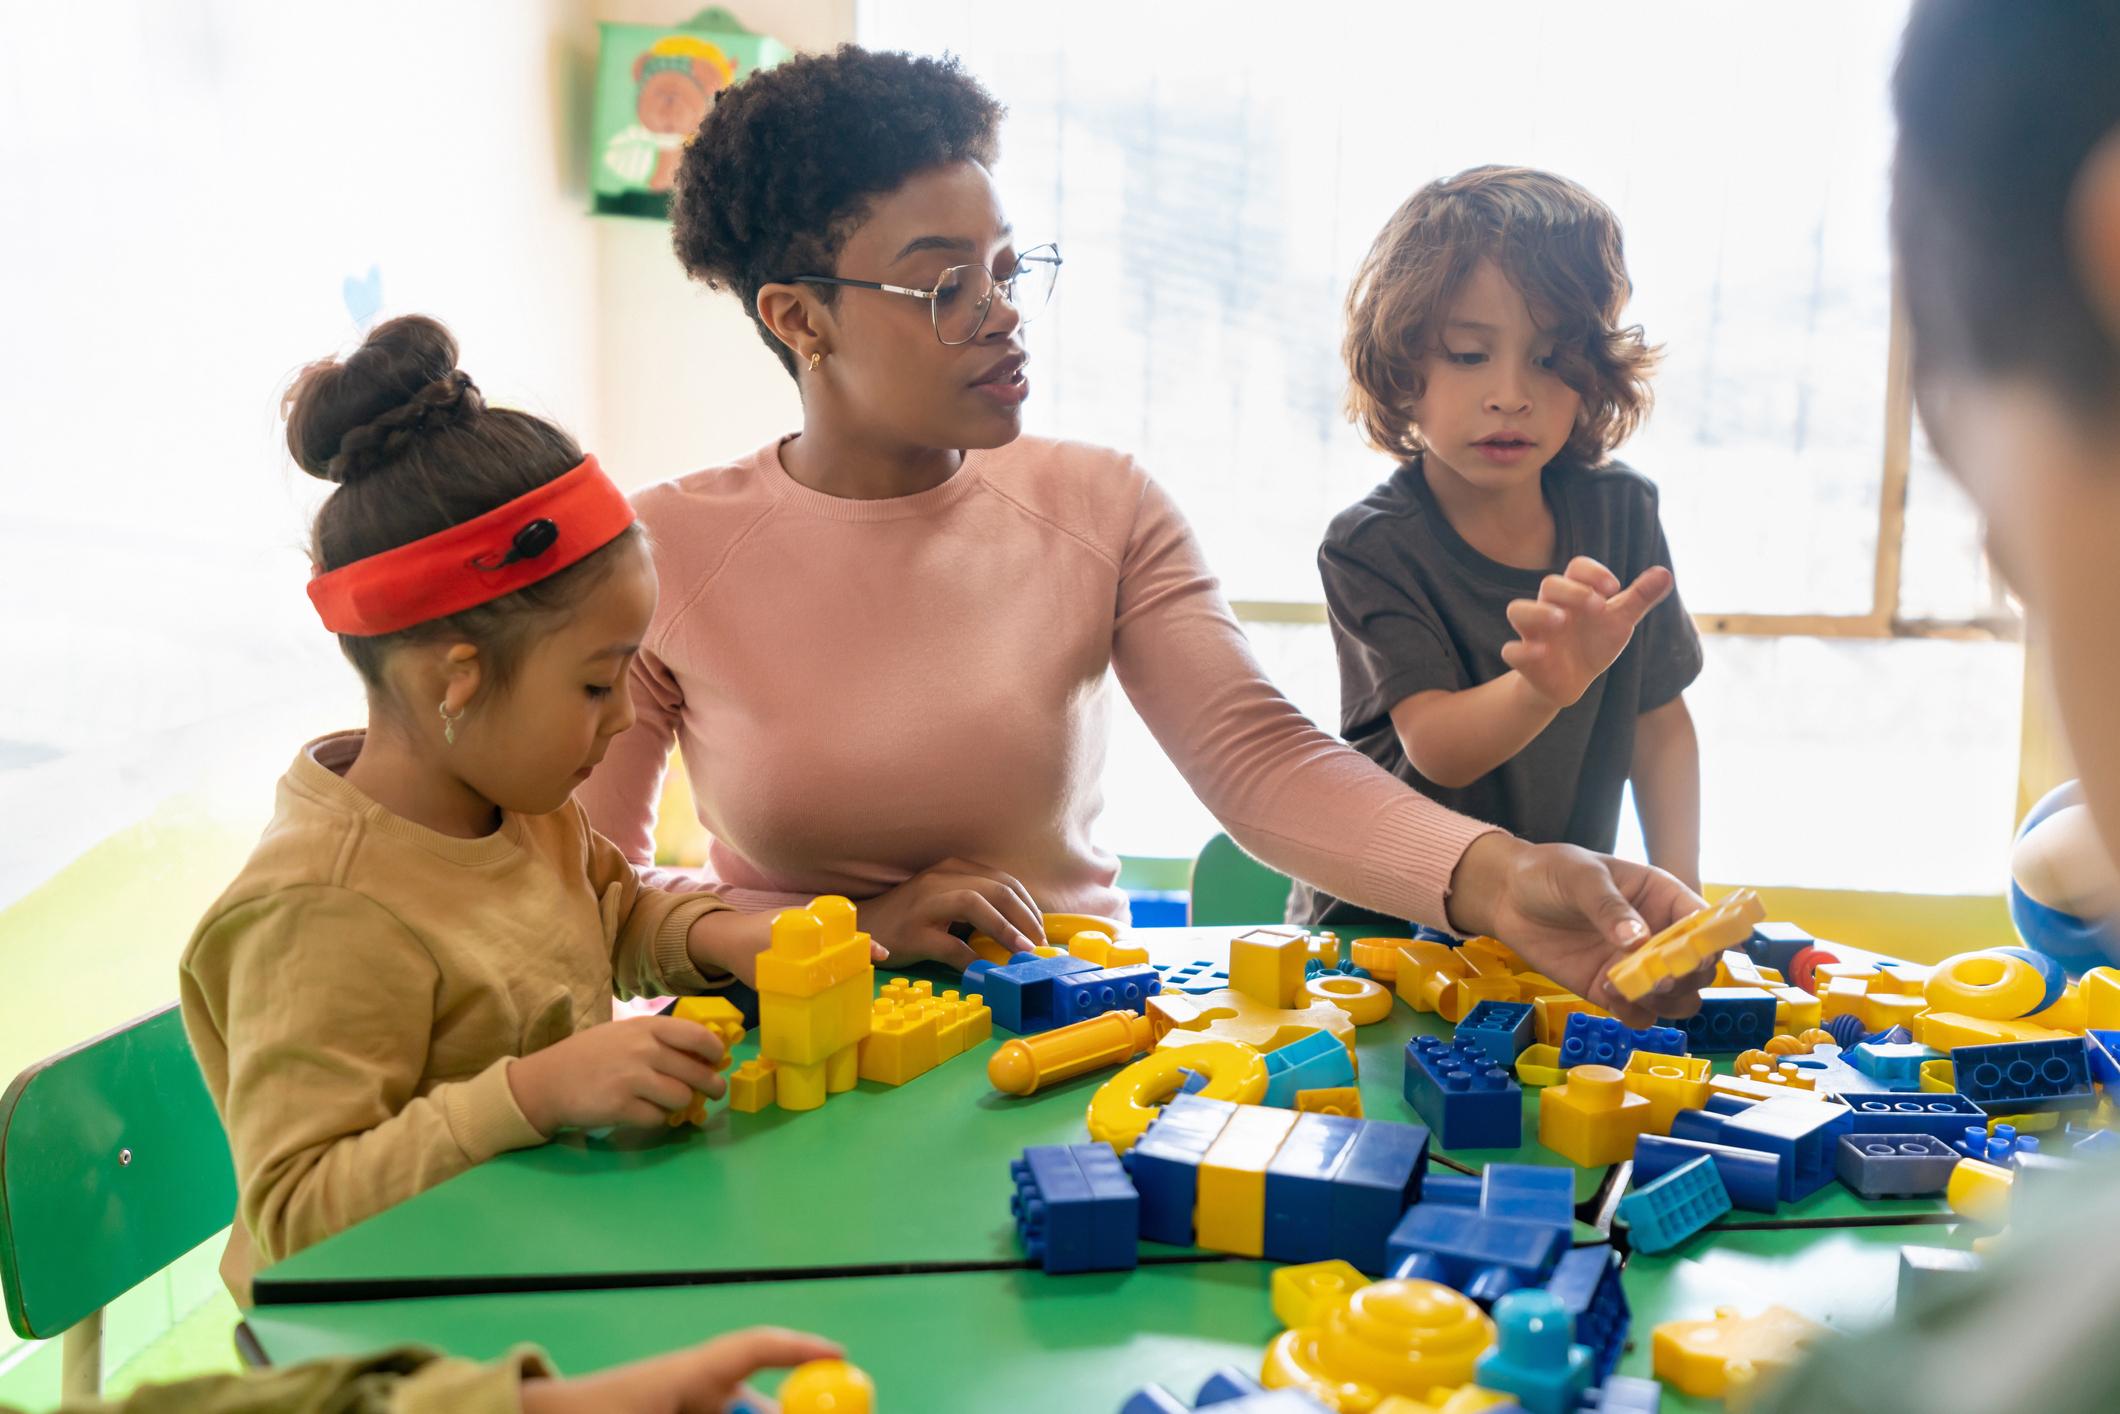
[[1666, 774], [1454, 738]]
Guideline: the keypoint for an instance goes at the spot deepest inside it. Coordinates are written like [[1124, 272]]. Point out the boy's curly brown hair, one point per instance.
[[1556, 242]]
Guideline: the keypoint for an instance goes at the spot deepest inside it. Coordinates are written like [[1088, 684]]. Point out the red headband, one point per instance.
[[530, 538]]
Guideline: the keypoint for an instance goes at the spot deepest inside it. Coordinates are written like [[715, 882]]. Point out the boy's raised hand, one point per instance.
[[1577, 626]]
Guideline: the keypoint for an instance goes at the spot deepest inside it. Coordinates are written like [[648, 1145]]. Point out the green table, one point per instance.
[[880, 1180]]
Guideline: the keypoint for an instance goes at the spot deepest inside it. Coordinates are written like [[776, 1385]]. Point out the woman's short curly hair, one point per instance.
[[786, 162], [1556, 242]]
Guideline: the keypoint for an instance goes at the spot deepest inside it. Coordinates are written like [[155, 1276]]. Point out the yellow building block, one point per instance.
[[1764, 1072], [1669, 1084], [1093, 945], [1266, 964], [751, 1086], [720, 1016], [2100, 988], [1304, 1295], [1183, 1020], [1230, 1212], [1419, 962], [1365, 1000], [1980, 1191], [1330, 1100], [1324, 948], [1939, 1077], [1465, 1399], [912, 1030], [1125, 1105], [1549, 1015], [1406, 1337], [1795, 1010], [1490, 957], [1945, 1030], [1530, 986], [2071, 1013], [1540, 1065], [1593, 1119], [815, 986], [1844, 996], [1688, 943], [1455, 999], [1881, 1012], [1379, 957], [1728, 1357]]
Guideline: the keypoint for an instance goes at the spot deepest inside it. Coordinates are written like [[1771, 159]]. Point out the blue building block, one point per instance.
[[1467, 1101], [1586, 1283], [1165, 1165], [1943, 1116], [1846, 1029], [2103, 1048], [1729, 1019], [1299, 1184], [1227, 1391], [1318, 1061], [1751, 1177], [1082, 995], [2020, 1077], [1020, 991], [1625, 1394], [1927, 1272], [1460, 1190], [1897, 1036], [1775, 945], [1604, 1040], [1194, 976], [1897, 1064], [1799, 1131], [1075, 1208], [2098, 1141], [1532, 1193], [1378, 1180], [1504, 1030], [1535, 1357], [1666, 1211], [1485, 1258], [2001, 1145], [1895, 1165]]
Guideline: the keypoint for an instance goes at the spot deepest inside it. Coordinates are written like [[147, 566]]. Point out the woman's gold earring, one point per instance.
[[449, 722], [815, 359]]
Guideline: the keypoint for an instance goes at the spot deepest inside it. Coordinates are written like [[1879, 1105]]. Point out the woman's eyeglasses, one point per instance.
[[964, 293]]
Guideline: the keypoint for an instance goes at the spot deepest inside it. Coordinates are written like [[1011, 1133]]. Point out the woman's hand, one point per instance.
[[707, 1379], [912, 922]]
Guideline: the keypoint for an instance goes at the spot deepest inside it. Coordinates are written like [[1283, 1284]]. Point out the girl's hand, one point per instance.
[[912, 921], [622, 1072], [1577, 626], [1571, 914], [707, 1379]]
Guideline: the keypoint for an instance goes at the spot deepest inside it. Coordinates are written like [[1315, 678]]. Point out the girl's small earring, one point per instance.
[[449, 721], [815, 359]]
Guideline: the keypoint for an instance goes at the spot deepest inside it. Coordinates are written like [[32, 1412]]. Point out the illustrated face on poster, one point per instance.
[[676, 80]]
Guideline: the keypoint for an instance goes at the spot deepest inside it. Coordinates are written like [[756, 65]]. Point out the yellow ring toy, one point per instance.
[[1125, 1105], [1993, 986], [1364, 1000]]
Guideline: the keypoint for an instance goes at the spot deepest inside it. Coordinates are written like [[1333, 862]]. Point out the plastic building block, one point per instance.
[[1999, 985], [1729, 1355], [719, 1015], [2103, 1050], [1593, 1119], [1667, 1210], [1094, 945], [1624, 1394], [1229, 1213], [1467, 1102], [2098, 1141], [751, 1086], [1165, 1165], [1942, 1117], [2100, 989], [1729, 1019], [1535, 1357], [1378, 1179], [1127, 1104], [1927, 1272], [1226, 1391], [1330, 1100], [1799, 1131], [1586, 1283], [1751, 1177], [1532, 1193], [1365, 1000], [1549, 1016], [2026, 1076], [1669, 1084], [1379, 957], [1686, 944], [1020, 991], [1028, 1064], [1182, 1020], [1298, 1193], [1081, 995], [911, 1030], [1316, 1061], [1895, 1165], [1076, 1209], [1897, 1064], [1603, 1040], [815, 989], [1795, 1009], [1775, 945], [1481, 1256], [1980, 1191], [1502, 1029], [2001, 1145], [1303, 1295], [1406, 1337], [1266, 965], [1540, 1065], [1846, 1030], [827, 1387]]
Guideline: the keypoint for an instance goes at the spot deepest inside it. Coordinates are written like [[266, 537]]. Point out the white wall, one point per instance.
[[683, 381]]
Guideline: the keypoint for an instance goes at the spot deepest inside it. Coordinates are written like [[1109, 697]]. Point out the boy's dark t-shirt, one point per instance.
[[1414, 607]]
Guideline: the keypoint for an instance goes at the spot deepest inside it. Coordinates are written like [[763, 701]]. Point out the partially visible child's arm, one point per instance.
[[1454, 738], [1666, 774]]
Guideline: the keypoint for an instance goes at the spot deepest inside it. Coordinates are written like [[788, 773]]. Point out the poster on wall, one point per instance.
[[654, 85]]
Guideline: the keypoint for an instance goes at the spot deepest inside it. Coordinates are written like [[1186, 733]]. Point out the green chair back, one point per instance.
[[113, 1164], [1229, 886]]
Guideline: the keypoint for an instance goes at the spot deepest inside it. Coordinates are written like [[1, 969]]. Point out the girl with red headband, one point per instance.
[[414, 970]]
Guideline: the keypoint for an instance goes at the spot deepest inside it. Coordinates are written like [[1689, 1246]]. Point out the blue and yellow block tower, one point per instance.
[[815, 996]]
